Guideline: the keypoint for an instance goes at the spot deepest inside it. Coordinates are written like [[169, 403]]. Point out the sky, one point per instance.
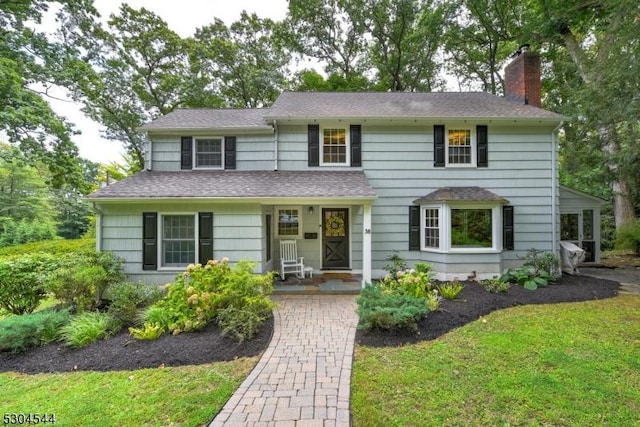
[[182, 16]]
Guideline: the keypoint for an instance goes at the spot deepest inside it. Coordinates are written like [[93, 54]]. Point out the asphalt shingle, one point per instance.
[[460, 194], [209, 118], [241, 184], [319, 105]]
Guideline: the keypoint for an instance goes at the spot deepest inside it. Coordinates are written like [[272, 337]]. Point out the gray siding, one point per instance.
[[237, 234], [398, 162], [253, 152]]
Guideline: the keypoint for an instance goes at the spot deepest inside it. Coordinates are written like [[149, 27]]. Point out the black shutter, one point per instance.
[[313, 138], [186, 156], [205, 237], [356, 145], [483, 146], [229, 152], [149, 241], [414, 228], [507, 228], [438, 146]]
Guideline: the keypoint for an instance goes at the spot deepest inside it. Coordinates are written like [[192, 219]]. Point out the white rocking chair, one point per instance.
[[289, 260]]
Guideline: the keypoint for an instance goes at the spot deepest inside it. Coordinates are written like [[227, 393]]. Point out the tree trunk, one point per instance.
[[623, 208]]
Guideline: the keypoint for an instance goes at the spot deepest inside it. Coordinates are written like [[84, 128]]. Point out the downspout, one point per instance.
[[149, 154], [275, 142], [98, 226], [554, 188]]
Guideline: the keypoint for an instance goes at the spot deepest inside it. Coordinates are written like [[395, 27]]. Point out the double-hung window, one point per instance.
[[461, 228], [178, 240], [460, 147], [208, 152], [335, 146]]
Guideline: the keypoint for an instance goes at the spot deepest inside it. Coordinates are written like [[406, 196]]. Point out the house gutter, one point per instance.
[[554, 189], [275, 145]]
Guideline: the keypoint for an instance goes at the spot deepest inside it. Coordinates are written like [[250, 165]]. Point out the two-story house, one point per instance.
[[465, 181]]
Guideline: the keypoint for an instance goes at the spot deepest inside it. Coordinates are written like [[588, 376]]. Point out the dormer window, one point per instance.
[[208, 153]]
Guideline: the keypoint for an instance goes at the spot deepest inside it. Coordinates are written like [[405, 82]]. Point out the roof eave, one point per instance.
[[514, 119], [182, 130], [261, 200]]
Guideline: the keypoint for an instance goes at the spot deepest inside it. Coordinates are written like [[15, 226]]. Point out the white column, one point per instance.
[[366, 245]]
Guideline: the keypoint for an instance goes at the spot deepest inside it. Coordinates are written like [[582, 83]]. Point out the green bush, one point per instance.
[[126, 299], [82, 281], [242, 323], [495, 285], [77, 247], [22, 282], [628, 237], [199, 294], [389, 309], [416, 282], [546, 264], [20, 333], [89, 327], [450, 290], [17, 233]]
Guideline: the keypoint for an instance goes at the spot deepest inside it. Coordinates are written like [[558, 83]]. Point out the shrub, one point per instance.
[[413, 282], [397, 264], [125, 299], [77, 247], [89, 327], [495, 285], [433, 300], [82, 281], [450, 290], [526, 277], [628, 237], [545, 264], [22, 282], [389, 309], [199, 294], [242, 323], [20, 333]]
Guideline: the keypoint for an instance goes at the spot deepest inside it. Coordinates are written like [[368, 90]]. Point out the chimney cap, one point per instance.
[[523, 48]]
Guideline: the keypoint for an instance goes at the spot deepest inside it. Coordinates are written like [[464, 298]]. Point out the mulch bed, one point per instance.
[[123, 352], [474, 302]]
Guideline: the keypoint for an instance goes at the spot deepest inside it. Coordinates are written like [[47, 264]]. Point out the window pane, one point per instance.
[[569, 227], [459, 141], [334, 147], [209, 152], [431, 228], [178, 240], [288, 222], [587, 224], [471, 228]]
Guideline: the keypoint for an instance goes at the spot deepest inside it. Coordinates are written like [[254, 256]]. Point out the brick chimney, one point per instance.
[[522, 78]]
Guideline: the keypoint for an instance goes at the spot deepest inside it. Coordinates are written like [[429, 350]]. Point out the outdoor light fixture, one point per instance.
[[310, 210]]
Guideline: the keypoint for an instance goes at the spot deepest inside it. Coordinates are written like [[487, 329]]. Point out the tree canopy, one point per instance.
[[132, 67]]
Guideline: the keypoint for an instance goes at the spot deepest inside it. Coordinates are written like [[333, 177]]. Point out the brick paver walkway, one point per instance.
[[304, 376]]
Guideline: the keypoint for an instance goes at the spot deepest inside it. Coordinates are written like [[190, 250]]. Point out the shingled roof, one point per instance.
[[196, 119], [239, 184], [460, 194], [439, 105]]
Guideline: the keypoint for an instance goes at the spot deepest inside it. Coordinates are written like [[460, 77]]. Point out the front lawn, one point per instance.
[[559, 364], [187, 395]]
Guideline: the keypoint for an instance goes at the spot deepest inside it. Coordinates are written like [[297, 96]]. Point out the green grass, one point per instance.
[[186, 396], [562, 364]]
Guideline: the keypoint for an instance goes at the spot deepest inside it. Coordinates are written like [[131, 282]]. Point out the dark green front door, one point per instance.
[[335, 238]]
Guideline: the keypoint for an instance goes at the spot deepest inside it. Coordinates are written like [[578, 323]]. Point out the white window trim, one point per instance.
[[347, 141], [474, 147], [194, 149], [160, 234], [445, 228], [276, 220]]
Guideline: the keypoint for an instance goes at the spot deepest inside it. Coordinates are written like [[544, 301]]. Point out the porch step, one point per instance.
[[326, 286]]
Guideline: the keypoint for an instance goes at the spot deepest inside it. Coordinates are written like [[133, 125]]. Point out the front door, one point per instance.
[[335, 238]]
